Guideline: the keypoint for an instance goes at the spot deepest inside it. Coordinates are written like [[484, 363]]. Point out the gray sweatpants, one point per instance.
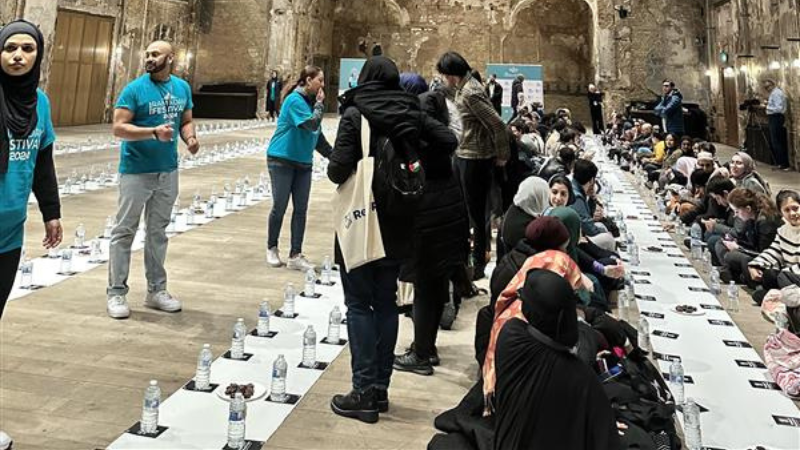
[[154, 193]]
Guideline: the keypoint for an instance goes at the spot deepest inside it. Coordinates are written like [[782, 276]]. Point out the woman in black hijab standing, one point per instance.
[[370, 291], [26, 148], [26, 151], [547, 397]]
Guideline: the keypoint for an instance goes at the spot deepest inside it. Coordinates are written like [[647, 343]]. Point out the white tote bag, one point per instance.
[[355, 216]]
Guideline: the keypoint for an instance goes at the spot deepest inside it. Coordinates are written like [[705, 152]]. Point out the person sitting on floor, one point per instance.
[[743, 172], [563, 164], [584, 183], [545, 396], [779, 266], [530, 202], [715, 228], [759, 221]]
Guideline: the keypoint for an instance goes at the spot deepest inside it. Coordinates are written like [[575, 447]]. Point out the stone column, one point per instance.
[[43, 13]]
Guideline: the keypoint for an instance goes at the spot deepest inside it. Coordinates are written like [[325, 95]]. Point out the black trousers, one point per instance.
[[430, 296], [597, 122], [475, 176], [778, 140], [9, 263]]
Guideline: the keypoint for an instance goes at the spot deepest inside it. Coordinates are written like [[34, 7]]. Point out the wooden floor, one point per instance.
[[71, 378]]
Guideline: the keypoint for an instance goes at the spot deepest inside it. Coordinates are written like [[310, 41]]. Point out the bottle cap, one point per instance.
[[153, 382]]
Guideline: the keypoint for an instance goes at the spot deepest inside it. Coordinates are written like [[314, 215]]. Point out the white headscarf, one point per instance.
[[533, 196]]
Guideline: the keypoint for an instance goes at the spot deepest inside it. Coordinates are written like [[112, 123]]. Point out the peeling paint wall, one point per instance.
[[766, 30]]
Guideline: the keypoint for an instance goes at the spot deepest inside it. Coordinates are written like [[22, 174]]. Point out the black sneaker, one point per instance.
[[410, 362], [382, 400], [433, 359], [359, 405]]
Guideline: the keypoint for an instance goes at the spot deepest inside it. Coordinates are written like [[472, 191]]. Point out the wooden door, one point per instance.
[[731, 109], [79, 71]]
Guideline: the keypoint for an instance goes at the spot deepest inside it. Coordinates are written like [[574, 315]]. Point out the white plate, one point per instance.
[[258, 391], [699, 312]]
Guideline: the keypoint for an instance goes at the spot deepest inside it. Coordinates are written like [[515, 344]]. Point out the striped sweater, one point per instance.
[[784, 253]]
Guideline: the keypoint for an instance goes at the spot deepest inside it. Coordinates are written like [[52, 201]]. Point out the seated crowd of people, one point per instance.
[[548, 342]]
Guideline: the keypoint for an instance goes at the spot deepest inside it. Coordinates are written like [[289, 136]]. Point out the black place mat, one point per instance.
[[652, 315], [689, 276], [190, 387], [687, 379], [79, 247], [712, 307], [135, 430], [666, 334], [291, 399], [787, 421], [750, 364], [666, 357], [269, 335], [281, 314], [726, 323], [683, 265], [248, 445], [316, 295], [33, 287], [640, 281], [647, 298], [341, 341], [699, 289], [319, 365], [737, 344], [701, 407], [763, 384], [67, 274], [247, 356], [332, 283]]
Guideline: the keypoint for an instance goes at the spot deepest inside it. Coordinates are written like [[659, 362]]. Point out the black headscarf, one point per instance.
[[546, 397], [18, 97]]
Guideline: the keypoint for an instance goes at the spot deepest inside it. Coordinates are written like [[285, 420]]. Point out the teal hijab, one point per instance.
[[572, 221]]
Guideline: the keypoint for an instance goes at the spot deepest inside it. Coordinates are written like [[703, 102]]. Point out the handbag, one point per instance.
[[355, 213]]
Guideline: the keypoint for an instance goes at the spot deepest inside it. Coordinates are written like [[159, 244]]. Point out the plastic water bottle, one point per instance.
[[644, 334], [66, 261], [696, 236], [212, 201], [676, 381], [693, 437], [623, 307], [335, 326], [196, 200], [26, 273], [634, 251], [714, 282], [309, 347], [681, 229], [202, 376], [278, 389], [229, 202], [781, 323], [262, 329], [310, 287], [80, 236], [288, 300], [707, 264], [327, 268], [109, 228], [630, 288], [152, 400], [190, 216], [733, 297], [629, 237], [236, 420], [237, 344]]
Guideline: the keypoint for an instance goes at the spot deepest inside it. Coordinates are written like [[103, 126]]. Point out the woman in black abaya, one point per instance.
[[546, 397]]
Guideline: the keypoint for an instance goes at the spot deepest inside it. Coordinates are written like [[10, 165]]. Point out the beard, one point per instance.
[[155, 67]]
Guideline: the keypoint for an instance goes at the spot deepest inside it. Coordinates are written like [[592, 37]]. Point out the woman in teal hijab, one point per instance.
[[572, 221]]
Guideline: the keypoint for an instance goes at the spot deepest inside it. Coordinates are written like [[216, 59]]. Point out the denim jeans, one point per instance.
[[288, 181], [370, 294], [155, 193]]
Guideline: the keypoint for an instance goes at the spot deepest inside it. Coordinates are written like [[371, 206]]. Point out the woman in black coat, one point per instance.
[[370, 291], [441, 234]]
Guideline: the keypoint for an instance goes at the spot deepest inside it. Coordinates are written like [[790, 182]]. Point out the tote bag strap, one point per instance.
[[365, 137]]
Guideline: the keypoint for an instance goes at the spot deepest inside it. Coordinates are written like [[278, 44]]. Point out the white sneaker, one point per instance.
[[5, 441], [117, 308], [274, 257], [299, 262], [162, 300]]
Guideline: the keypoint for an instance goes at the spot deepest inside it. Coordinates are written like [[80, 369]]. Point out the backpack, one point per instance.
[[399, 178]]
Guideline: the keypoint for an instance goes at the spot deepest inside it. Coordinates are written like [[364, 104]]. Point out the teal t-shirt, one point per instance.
[[153, 104], [291, 142], [16, 184]]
